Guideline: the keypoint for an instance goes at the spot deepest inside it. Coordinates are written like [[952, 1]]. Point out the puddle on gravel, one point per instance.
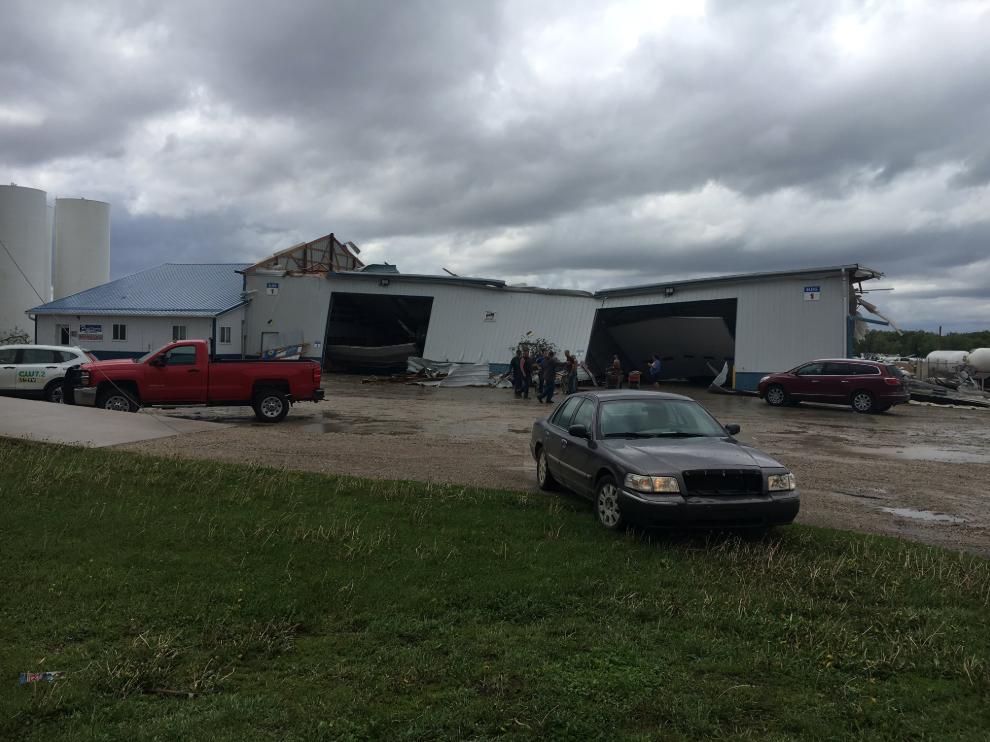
[[925, 515], [928, 453]]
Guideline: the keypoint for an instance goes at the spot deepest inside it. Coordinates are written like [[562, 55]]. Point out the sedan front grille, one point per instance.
[[708, 482]]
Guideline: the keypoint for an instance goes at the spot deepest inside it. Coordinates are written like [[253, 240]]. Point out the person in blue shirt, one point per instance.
[[655, 370]]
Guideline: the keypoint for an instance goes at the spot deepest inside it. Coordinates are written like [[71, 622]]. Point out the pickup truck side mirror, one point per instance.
[[732, 429], [158, 362], [578, 431]]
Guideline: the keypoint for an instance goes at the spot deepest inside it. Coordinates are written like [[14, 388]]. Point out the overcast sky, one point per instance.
[[568, 144]]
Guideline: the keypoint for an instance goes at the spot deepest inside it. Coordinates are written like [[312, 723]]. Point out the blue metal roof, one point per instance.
[[170, 290]]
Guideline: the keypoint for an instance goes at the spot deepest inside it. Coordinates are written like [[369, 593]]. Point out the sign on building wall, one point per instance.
[[91, 332], [271, 288], [489, 316], [812, 293]]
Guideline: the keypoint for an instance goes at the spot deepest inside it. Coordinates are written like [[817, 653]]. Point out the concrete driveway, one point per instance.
[[86, 426]]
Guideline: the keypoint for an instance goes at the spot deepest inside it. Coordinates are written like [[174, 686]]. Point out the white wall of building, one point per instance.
[[776, 326], [142, 333]]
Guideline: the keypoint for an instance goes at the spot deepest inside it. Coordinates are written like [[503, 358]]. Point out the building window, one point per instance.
[[178, 332], [225, 336], [120, 332]]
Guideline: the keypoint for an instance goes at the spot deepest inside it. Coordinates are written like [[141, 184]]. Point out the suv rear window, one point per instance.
[[895, 372]]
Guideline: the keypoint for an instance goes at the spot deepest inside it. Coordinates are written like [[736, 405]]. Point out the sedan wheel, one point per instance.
[[862, 402], [776, 396], [607, 504], [543, 476]]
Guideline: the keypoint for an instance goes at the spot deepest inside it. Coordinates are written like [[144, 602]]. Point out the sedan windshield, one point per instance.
[[656, 418]]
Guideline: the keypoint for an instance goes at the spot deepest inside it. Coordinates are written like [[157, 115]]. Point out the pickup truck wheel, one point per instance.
[[53, 392], [270, 405], [116, 401]]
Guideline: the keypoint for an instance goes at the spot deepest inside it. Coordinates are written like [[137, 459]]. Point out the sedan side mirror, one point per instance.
[[732, 429], [578, 431]]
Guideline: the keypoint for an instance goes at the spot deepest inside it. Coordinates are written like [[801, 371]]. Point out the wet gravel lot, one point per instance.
[[916, 472]]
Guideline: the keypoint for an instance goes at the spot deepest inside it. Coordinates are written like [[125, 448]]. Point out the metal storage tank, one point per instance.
[[26, 232], [82, 245]]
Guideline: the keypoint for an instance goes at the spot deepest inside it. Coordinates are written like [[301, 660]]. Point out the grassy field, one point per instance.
[[300, 606]]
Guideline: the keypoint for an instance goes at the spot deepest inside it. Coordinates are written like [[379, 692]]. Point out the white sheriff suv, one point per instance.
[[37, 370]]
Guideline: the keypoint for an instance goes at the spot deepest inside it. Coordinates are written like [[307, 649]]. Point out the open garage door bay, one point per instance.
[[691, 337]]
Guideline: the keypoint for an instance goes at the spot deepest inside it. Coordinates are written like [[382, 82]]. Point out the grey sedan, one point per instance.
[[659, 459]]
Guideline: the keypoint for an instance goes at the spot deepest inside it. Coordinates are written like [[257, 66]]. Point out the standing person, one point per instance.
[[549, 373], [655, 371], [615, 374], [515, 367], [572, 369], [526, 366], [540, 355]]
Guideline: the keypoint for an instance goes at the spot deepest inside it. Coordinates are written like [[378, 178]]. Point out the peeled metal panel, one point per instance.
[[25, 231], [82, 245]]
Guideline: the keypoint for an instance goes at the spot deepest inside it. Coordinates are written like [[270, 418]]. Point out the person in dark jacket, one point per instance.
[[548, 370], [515, 368], [570, 377], [526, 366]]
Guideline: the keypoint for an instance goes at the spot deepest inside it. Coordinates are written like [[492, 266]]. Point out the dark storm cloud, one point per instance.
[[516, 139]]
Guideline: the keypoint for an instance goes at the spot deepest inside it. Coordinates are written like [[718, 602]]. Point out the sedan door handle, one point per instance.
[[563, 443]]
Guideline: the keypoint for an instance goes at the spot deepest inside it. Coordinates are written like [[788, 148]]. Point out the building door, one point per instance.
[[61, 335]]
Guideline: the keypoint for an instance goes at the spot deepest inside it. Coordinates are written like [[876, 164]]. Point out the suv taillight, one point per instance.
[[891, 381]]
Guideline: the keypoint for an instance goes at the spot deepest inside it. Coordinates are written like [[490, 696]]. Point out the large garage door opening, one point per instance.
[[374, 333], [691, 338]]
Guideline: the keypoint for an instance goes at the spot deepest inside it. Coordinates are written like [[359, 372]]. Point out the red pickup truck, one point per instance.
[[182, 374]]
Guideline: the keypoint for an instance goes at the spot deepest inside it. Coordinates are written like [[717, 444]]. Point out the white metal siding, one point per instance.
[[775, 327], [143, 333]]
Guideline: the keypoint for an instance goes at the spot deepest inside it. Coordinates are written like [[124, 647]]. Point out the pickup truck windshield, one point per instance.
[[146, 356], [656, 418]]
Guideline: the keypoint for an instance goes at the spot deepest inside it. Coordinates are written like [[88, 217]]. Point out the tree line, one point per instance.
[[919, 343]]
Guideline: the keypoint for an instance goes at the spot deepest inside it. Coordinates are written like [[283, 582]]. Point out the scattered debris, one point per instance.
[[41, 677]]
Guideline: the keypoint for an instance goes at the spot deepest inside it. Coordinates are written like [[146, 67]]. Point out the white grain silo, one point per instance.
[[26, 263], [82, 245]]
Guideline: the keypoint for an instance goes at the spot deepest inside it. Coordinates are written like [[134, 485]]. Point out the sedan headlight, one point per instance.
[[645, 483], [781, 482]]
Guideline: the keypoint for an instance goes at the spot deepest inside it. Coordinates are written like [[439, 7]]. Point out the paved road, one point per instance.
[[56, 423]]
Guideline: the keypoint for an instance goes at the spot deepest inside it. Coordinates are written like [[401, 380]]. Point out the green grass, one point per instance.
[[301, 606]]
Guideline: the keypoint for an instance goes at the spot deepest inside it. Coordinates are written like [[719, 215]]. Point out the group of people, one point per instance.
[[545, 365], [614, 375]]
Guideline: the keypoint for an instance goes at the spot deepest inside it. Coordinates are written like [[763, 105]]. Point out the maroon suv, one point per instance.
[[865, 385]]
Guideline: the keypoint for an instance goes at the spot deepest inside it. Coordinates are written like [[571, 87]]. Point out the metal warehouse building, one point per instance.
[[320, 297], [758, 323]]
